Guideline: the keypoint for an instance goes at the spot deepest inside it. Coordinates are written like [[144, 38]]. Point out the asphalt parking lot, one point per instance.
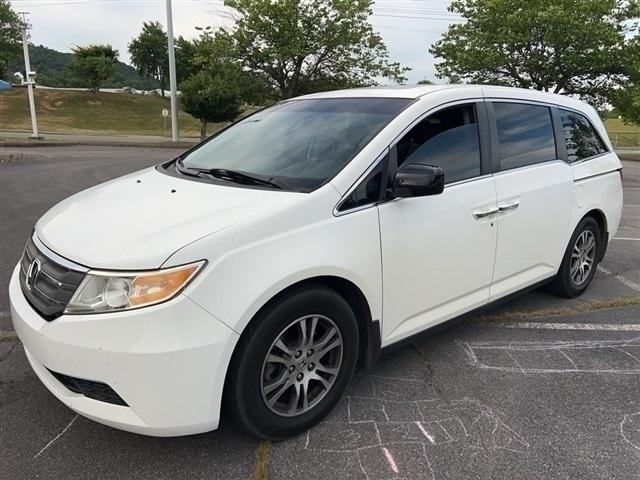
[[541, 387]]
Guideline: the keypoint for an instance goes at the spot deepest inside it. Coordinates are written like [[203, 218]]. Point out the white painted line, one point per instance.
[[392, 462], [625, 281], [625, 327], [53, 440], [627, 238], [628, 283], [425, 433]]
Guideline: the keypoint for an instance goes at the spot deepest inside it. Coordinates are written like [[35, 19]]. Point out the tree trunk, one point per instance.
[[203, 130]]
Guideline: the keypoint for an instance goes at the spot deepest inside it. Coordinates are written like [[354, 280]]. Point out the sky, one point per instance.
[[408, 27]]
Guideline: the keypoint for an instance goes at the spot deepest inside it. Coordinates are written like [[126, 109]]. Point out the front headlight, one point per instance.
[[113, 291]]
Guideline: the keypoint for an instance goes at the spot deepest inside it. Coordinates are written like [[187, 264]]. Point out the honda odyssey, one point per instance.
[[259, 268]]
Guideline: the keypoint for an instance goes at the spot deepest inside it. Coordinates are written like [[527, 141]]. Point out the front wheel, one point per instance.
[[293, 363], [580, 260]]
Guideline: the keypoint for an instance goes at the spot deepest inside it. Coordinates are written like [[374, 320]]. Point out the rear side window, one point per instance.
[[525, 134], [582, 138], [448, 139]]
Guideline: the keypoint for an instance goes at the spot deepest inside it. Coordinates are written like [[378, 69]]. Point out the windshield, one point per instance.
[[299, 144]]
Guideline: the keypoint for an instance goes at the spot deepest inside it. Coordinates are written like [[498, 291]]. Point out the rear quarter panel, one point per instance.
[[598, 186]]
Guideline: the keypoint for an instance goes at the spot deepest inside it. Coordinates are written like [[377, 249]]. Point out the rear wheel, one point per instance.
[[293, 363], [580, 260]]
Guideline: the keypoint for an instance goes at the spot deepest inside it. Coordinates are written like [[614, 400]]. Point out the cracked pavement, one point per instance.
[[558, 399]]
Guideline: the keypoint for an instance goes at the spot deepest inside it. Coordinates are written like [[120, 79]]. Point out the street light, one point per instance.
[[31, 75], [172, 75]]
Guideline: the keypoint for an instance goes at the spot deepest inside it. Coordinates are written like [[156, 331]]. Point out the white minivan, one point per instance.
[[259, 268]]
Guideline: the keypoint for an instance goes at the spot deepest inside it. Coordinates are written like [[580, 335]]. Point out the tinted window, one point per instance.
[[367, 192], [448, 139], [525, 134], [298, 144], [582, 139]]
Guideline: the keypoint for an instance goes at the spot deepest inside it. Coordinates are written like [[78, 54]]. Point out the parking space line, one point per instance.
[[625, 327], [627, 238], [625, 281]]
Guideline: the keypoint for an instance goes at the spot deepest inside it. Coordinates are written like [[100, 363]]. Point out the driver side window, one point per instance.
[[448, 139]]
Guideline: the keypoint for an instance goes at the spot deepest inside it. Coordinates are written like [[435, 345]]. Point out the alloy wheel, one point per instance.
[[301, 365], [582, 257]]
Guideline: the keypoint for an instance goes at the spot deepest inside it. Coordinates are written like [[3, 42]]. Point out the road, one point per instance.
[[541, 387]]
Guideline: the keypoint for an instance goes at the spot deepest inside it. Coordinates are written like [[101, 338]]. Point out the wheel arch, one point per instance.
[[369, 330], [368, 327], [601, 219]]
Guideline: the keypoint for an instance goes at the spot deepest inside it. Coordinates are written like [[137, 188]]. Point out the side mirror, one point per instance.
[[418, 180]]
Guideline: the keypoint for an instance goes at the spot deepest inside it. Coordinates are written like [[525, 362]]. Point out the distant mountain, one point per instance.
[[52, 70]]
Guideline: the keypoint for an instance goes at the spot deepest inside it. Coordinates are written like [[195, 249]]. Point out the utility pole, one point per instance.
[[172, 75], [30, 75]]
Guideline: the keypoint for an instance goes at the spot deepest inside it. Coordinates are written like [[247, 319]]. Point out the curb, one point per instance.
[[97, 143]]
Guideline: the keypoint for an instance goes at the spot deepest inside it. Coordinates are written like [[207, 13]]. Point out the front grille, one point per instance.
[[90, 389], [51, 286]]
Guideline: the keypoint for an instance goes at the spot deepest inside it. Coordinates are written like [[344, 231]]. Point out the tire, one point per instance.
[[257, 394], [568, 282]]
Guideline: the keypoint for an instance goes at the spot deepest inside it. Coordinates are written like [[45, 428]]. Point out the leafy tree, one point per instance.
[[213, 52], [301, 46], [150, 53], [10, 37], [569, 46], [626, 100], [210, 98], [94, 64], [186, 51]]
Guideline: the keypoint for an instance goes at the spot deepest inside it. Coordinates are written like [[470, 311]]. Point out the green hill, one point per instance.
[[85, 112], [52, 69]]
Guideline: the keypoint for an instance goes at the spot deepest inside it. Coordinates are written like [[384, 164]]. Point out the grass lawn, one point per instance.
[[122, 114], [84, 112]]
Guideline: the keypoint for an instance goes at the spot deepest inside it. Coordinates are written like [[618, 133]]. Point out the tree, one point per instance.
[[626, 100], [301, 46], [568, 46], [94, 64], [150, 53], [186, 51], [210, 98], [10, 37], [53, 70], [213, 52]]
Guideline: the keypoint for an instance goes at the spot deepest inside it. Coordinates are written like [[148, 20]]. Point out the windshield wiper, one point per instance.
[[234, 176]]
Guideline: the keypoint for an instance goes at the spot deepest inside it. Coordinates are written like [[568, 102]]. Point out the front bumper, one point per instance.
[[168, 362]]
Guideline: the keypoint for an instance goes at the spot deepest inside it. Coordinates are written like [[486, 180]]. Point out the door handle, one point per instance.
[[508, 206], [480, 214]]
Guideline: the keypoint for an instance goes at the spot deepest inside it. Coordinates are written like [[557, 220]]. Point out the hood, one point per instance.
[[136, 222]]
